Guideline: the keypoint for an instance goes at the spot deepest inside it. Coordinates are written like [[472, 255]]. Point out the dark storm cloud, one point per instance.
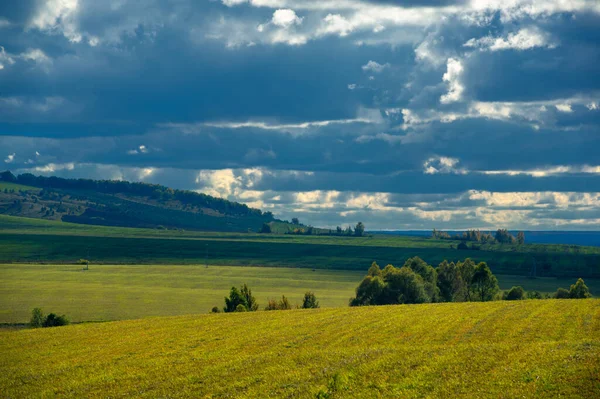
[[361, 98]]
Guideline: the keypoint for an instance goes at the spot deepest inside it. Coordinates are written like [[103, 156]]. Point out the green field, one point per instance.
[[528, 349], [34, 240], [116, 292], [14, 186]]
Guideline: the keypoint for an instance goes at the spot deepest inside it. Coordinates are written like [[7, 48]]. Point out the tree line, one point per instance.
[[464, 281], [501, 236], [242, 300], [154, 191]]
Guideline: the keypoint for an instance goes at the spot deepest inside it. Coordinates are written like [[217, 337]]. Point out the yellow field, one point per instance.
[[547, 348]]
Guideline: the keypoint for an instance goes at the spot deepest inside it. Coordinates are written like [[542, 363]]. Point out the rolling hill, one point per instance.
[[525, 349], [121, 203]]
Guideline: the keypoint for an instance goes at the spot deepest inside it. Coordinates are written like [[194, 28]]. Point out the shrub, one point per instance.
[[215, 309], [462, 246], [234, 300], [310, 301], [534, 295], [37, 318], [241, 308], [514, 294], [53, 320], [282, 304], [561, 293]]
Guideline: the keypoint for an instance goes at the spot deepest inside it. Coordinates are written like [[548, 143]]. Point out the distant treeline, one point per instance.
[[358, 231], [502, 236], [419, 282], [153, 191]]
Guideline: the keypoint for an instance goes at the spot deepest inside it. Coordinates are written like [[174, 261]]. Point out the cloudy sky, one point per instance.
[[447, 114]]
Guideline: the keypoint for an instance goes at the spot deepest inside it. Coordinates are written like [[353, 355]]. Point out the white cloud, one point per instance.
[[57, 16], [336, 24], [375, 67], [52, 167], [452, 77], [10, 158], [439, 164], [524, 39], [286, 18], [5, 58], [592, 106], [564, 108]]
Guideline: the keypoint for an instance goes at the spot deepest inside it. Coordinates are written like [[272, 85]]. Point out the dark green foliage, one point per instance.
[[466, 270], [215, 309], [403, 286], [579, 290], [429, 275], [310, 301], [234, 300], [504, 237], [462, 246], [7, 176], [484, 283], [534, 295], [449, 281], [520, 238], [514, 294], [53, 320], [469, 235], [561, 293], [265, 229], [295, 221], [374, 270], [37, 318], [359, 230], [250, 301]]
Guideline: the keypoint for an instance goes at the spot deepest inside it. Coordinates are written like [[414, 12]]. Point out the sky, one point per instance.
[[448, 114]]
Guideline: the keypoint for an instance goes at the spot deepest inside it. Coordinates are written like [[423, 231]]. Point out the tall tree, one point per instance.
[[359, 230], [485, 284], [235, 298], [250, 304], [520, 238]]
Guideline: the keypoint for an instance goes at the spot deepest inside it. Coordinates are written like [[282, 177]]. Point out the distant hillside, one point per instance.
[[125, 204]]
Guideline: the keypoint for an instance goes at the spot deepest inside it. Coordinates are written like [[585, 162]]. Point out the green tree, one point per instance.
[[235, 298], [429, 275], [240, 308], [466, 270], [265, 229], [295, 221], [250, 301], [374, 270], [369, 292], [561, 293], [310, 301], [37, 318], [514, 294], [359, 230], [449, 281], [53, 320], [404, 286], [485, 284], [579, 290], [520, 238]]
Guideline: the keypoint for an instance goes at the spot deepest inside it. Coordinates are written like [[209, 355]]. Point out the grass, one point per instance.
[[14, 186], [34, 240], [117, 292], [529, 349]]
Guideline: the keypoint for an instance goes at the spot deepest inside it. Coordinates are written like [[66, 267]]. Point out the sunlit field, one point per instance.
[[530, 349]]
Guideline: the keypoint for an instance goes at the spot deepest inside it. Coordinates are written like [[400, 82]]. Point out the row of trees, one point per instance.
[[464, 281], [501, 236], [358, 231], [242, 300]]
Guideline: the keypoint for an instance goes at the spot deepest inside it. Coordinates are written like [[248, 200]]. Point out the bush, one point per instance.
[[534, 295], [561, 293], [282, 304], [37, 318], [215, 309], [462, 246], [241, 308], [53, 320], [514, 294], [310, 301]]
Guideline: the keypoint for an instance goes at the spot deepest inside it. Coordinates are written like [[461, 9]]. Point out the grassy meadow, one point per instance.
[[117, 292], [37, 241], [525, 349]]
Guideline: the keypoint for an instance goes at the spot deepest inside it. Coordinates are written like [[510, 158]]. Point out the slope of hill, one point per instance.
[[541, 349], [121, 203]]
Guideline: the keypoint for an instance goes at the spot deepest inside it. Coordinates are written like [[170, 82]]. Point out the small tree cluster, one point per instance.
[[240, 300], [282, 304], [577, 291], [501, 236], [52, 320]]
